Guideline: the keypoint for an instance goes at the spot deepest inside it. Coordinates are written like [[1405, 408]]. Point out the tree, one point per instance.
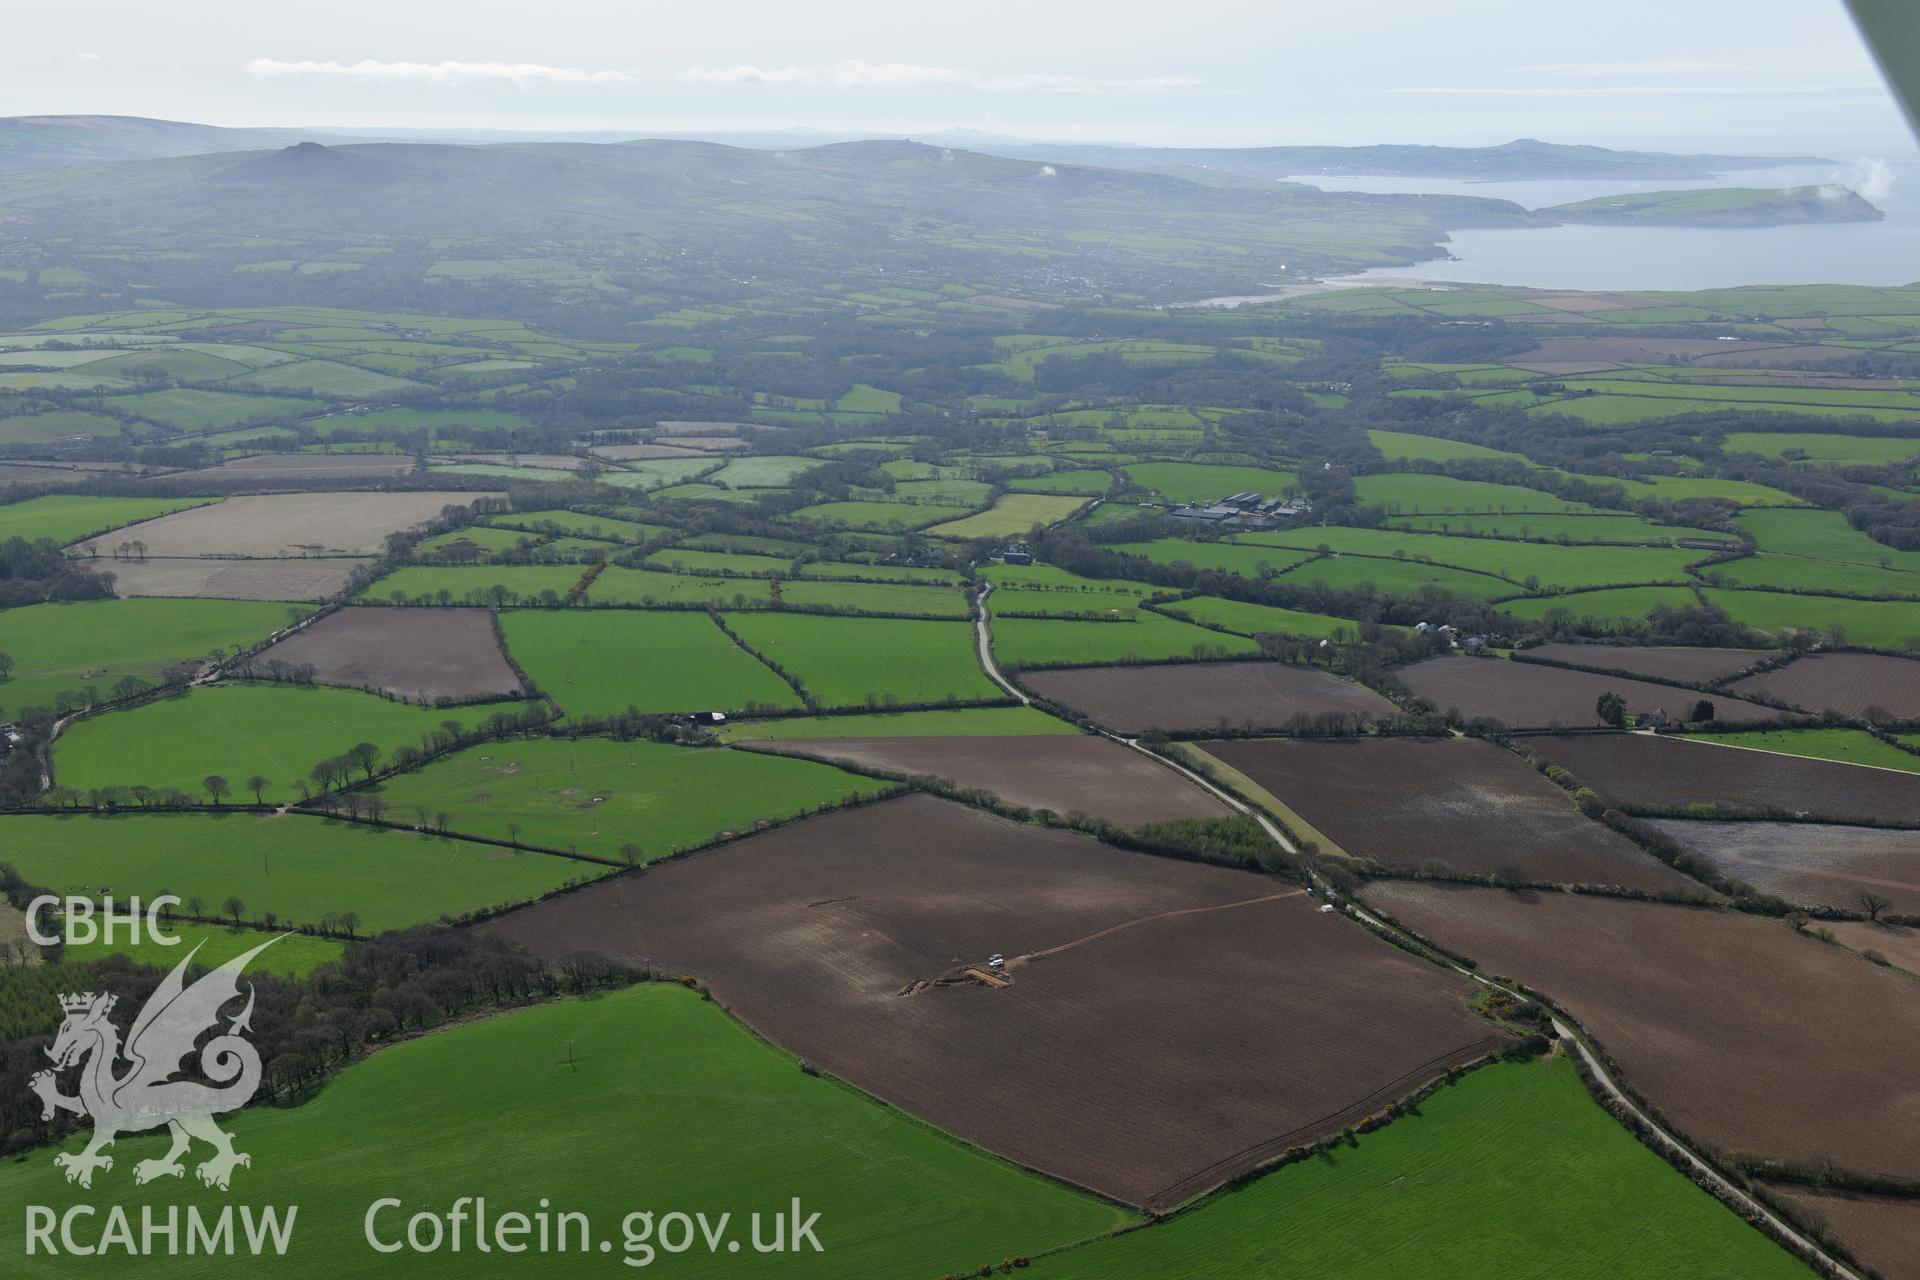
[[366, 756], [197, 907], [258, 785], [6, 665], [234, 907], [1873, 903], [216, 787], [1702, 711], [349, 921], [1612, 708]]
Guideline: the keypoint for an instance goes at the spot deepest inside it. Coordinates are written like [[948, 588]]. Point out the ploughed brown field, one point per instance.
[[1527, 695], [1882, 1232], [1694, 666], [289, 524], [1204, 695], [311, 579], [1167, 1026], [1405, 802], [312, 466], [1899, 943], [1849, 683], [1638, 771], [1746, 1035], [412, 653], [1064, 774], [1809, 863]]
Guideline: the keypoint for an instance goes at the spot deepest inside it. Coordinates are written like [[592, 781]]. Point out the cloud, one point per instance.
[[1641, 91], [87, 57], [855, 74], [1660, 67], [521, 75], [1869, 175]]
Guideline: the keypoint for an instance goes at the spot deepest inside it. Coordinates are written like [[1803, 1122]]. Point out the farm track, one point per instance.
[[1653, 1134], [1158, 915]]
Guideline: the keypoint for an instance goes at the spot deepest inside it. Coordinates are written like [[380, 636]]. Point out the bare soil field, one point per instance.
[[1527, 695], [1064, 774], [1634, 350], [552, 461], [1405, 802], [411, 653], [312, 466], [1695, 666], [1849, 683], [313, 579], [1642, 772], [630, 452], [1899, 943], [1809, 863], [704, 444], [1188, 1023], [1882, 1232], [290, 524], [1746, 1035], [1204, 695]]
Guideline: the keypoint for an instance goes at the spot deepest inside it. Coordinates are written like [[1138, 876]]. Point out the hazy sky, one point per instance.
[[1771, 75]]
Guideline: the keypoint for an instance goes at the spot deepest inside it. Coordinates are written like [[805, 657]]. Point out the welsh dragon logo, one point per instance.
[[145, 1094]]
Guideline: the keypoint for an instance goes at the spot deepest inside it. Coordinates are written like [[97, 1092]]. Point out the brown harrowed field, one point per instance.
[[1882, 1232], [1693, 666], [312, 466], [1809, 863], [1899, 943], [1204, 695], [1849, 683], [1167, 1025], [1406, 802], [1064, 774], [1640, 772], [1743, 1033], [411, 653], [1529, 695], [289, 524], [309, 579]]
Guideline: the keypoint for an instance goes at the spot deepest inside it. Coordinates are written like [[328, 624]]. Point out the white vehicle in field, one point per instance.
[[996, 961]]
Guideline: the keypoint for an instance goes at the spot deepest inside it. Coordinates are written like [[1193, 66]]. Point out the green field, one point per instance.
[[595, 795], [278, 731], [292, 955], [1610, 608], [619, 585], [963, 722], [1409, 493], [1090, 484], [1822, 536], [1837, 450], [68, 647], [65, 518], [1012, 516], [602, 662], [1185, 482], [1624, 529], [1395, 577], [1257, 619], [1248, 561], [847, 662], [544, 1103], [582, 525], [1797, 573], [524, 583], [872, 515], [192, 410], [1039, 642], [298, 866], [1043, 589], [1548, 565], [1399, 446], [1889, 624], [1512, 1172], [1853, 746]]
